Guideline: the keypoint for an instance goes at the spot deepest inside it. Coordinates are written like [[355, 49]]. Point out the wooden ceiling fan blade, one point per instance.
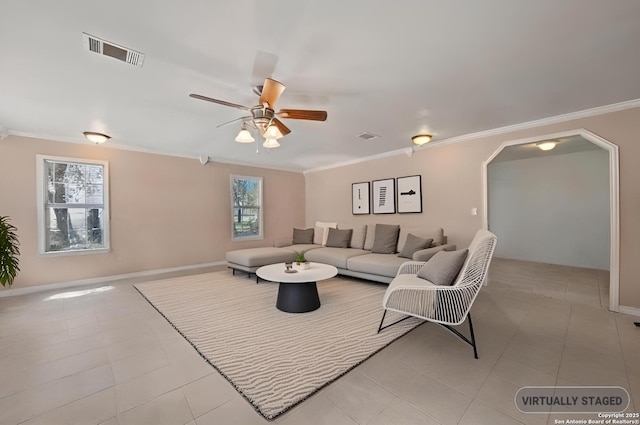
[[219, 102], [271, 92], [303, 114], [283, 128]]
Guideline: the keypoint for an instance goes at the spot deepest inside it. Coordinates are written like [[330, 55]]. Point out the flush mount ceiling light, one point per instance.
[[96, 138], [546, 146], [421, 139], [244, 136]]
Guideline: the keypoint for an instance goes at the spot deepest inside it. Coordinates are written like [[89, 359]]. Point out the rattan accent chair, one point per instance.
[[446, 305]]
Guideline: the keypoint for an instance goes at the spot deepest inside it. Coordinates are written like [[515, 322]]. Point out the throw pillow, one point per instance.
[[413, 244], [369, 237], [325, 233], [318, 235], [357, 237], [443, 268], [386, 239], [302, 236], [339, 238]]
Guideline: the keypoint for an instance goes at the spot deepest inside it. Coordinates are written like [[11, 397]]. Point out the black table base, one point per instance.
[[298, 297]]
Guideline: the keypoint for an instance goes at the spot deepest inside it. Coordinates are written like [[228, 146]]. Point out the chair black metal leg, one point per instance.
[[380, 328], [473, 337]]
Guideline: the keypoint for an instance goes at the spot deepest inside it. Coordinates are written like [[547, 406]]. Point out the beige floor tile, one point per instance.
[[588, 367], [401, 412], [358, 396], [437, 400], [111, 421], [317, 410], [146, 387], [392, 375], [521, 374], [207, 393], [236, 411], [499, 394], [139, 364], [94, 409], [479, 414], [168, 409]]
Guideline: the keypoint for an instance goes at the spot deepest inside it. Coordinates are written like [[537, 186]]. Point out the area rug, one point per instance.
[[275, 359]]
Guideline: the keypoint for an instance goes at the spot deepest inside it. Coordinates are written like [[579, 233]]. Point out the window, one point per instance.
[[246, 203], [73, 213]]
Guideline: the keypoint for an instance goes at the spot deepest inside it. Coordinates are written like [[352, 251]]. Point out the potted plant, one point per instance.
[[302, 262], [9, 251]]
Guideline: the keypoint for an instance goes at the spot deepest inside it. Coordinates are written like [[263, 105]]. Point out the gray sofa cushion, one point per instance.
[[301, 247], [435, 233], [379, 264], [443, 267], [257, 257], [339, 238], [386, 239], [302, 236], [413, 244], [334, 256], [369, 237]]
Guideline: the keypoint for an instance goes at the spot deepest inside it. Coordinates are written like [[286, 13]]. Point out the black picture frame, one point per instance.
[[360, 198], [409, 196], [384, 196]]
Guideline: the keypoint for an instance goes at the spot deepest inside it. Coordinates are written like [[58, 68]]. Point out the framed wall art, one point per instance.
[[360, 203], [410, 194], [384, 196]]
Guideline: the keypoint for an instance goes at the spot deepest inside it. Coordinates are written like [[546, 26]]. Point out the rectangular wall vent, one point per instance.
[[107, 48]]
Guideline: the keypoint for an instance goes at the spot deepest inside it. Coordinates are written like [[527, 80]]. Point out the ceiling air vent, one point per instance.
[[107, 48], [367, 136]]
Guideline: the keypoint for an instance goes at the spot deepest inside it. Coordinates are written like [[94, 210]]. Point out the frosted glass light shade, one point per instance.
[[273, 132], [271, 143], [244, 136]]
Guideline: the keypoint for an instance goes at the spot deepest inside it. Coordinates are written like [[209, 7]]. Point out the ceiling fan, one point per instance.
[[263, 116]]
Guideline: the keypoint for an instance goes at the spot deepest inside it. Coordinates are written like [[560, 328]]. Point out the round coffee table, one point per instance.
[[297, 292]]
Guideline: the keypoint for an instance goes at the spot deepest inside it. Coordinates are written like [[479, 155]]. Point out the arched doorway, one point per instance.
[[614, 228]]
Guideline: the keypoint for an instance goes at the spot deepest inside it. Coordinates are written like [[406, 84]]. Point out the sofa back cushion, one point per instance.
[[369, 237], [386, 239], [435, 233], [320, 232], [339, 238], [413, 244], [357, 236], [302, 236]]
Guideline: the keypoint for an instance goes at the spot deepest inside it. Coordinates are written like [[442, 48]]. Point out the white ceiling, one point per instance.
[[393, 68], [564, 145]]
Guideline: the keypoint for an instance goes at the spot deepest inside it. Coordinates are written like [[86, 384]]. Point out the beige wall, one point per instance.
[[452, 185], [165, 211]]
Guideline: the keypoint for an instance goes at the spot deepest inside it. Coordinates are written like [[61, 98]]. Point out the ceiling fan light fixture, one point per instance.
[[271, 143], [421, 139], [273, 132], [97, 138], [244, 136], [546, 146]]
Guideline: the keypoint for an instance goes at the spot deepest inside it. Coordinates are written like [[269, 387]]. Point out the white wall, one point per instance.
[[553, 209]]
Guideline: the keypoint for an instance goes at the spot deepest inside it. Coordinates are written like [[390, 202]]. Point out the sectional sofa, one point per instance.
[[373, 251]]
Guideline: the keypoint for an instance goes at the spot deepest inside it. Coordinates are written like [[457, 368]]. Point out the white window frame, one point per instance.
[[261, 209], [41, 191]]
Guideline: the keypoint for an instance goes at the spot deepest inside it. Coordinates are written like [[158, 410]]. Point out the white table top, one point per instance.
[[276, 273]]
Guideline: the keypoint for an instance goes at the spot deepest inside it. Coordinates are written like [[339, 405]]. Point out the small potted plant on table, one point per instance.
[[302, 262]]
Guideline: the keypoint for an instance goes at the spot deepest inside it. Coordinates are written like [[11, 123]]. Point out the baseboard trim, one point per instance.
[[632, 311], [94, 280]]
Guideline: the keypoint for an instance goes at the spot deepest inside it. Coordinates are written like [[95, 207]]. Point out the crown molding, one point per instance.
[[600, 110]]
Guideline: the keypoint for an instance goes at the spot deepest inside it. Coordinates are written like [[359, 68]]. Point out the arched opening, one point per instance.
[[573, 141]]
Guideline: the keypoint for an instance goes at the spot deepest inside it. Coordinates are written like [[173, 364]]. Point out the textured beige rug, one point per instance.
[[275, 359]]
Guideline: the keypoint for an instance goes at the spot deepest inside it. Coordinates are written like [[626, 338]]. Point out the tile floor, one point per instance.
[[108, 358]]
